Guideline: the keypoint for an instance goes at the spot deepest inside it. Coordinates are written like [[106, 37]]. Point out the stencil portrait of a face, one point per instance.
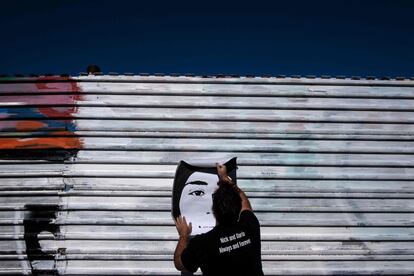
[[192, 194], [196, 201]]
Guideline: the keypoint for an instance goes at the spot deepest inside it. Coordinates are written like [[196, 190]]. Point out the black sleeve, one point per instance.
[[249, 220], [193, 254]]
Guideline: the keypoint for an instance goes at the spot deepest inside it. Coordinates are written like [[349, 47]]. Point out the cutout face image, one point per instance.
[[192, 194], [196, 201]]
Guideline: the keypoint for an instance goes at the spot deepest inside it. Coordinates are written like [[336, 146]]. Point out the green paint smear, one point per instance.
[[8, 78]]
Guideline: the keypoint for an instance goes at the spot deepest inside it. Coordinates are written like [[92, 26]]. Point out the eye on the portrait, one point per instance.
[[197, 192]]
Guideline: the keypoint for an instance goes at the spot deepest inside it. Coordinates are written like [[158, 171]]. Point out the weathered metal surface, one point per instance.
[[269, 267], [74, 217], [270, 115], [247, 158], [208, 101], [202, 89], [269, 172], [269, 146], [87, 163]]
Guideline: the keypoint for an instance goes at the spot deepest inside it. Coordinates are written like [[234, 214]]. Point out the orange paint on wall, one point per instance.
[[41, 143], [29, 125]]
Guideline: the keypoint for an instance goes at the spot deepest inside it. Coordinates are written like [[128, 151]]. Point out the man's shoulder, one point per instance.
[[201, 238], [247, 215], [249, 221]]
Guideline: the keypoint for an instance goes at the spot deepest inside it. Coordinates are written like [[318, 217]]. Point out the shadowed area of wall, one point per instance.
[[87, 166]]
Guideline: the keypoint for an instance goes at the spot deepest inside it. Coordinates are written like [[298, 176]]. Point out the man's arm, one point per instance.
[[222, 173], [184, 231], [244, 200]]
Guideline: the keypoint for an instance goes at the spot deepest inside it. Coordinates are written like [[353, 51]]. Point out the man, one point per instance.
[[232, 247]]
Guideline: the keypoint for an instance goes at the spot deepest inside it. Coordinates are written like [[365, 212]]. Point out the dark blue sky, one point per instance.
[[257, 37]]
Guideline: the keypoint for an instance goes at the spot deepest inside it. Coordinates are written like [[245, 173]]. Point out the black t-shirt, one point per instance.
[[227, 250]]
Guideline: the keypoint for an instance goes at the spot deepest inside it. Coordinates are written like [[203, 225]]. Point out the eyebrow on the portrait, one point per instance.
[[197, 182]]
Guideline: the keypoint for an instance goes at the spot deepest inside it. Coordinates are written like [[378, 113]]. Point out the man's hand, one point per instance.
[[222, 171], [183, 229]]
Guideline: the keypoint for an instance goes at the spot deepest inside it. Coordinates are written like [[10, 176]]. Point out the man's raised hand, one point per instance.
[[183, 229], [222, 171]]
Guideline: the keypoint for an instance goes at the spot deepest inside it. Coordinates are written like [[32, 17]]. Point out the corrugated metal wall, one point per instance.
[[87, 165]]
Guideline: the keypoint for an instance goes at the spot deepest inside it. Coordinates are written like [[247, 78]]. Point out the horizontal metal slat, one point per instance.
[[265, 257], [216, 135], [263, 115], [266, 219], [251, 145], [302, 248], [271, 250], [276, 172], [168, 171], [244, 158], [269, 268], [246, 90], [164, 218], [248, 185], [208, 102], [279, 233], [230, 146], [259, 204], [31, 183], [251, 194], [207, 126]]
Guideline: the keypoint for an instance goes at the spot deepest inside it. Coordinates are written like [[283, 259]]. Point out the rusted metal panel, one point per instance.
[[87, 163]]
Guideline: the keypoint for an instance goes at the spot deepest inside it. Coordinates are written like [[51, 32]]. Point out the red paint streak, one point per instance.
[[23, 125], [26, 100], [42, 143], [45, 84], [61, 112], [29, 125]]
